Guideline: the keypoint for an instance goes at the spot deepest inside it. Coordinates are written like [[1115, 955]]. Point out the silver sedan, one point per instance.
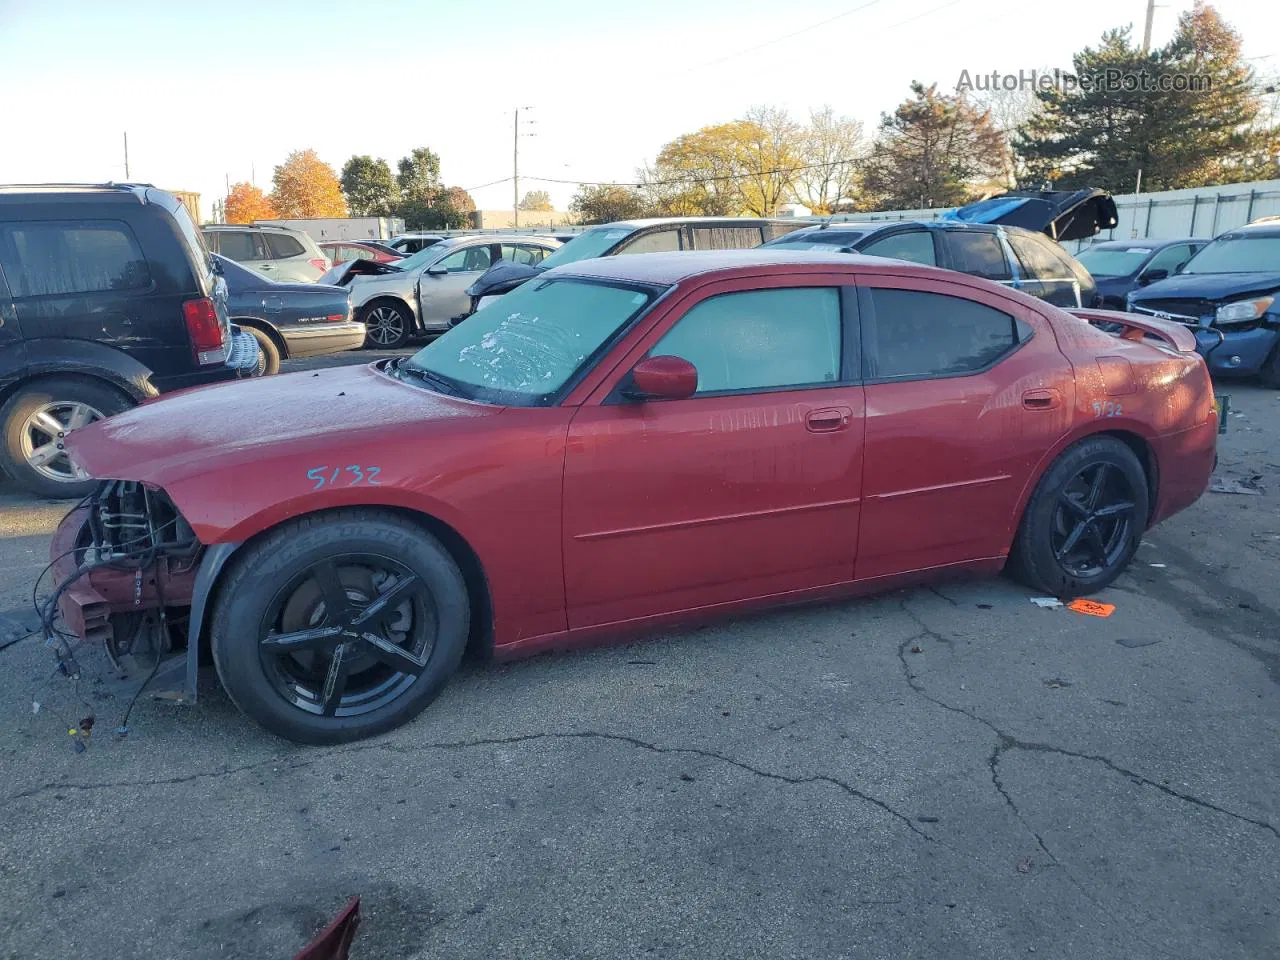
[[421, 293]]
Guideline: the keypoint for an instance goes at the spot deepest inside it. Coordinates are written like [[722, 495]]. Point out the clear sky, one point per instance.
[[229, 87]]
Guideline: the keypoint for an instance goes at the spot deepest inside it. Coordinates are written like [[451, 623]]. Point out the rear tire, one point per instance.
[[35, 421], [268, 352], [387, 325], [344, 686], [1084, 521]]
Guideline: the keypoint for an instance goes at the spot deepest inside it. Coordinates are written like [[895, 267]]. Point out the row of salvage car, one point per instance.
[[622, 443]]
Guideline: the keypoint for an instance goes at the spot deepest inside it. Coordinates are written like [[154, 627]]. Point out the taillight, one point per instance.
[[205, 330], [320, 263]]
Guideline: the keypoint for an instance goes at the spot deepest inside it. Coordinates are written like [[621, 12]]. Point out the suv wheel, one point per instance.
[[387, 325], [36, 421]]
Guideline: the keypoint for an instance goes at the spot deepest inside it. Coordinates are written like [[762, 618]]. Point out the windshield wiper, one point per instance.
[[438, 382]]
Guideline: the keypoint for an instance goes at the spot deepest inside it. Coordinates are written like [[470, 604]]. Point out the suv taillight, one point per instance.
[[320, 263], [206, 332]]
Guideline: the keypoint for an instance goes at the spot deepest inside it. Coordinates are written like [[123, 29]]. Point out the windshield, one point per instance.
[[1113, 261], [1237, 253], [595, 242], [524, 347], [818, 240], [419, 259]]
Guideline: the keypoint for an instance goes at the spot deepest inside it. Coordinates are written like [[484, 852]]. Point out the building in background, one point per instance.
[[505, 219], [190, 200]]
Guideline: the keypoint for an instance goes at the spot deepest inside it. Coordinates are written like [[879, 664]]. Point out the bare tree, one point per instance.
[[770, 147], [830, 149], [1009, 111]]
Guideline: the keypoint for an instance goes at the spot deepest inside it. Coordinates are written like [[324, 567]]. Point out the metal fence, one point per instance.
[[1168, 214]]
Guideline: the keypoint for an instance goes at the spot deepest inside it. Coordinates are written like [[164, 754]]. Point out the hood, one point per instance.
[[1061, 214], [1209, 286], [503, 277], [247, 423], [342, 274]]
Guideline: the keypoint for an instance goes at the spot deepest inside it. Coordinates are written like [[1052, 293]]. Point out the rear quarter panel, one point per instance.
[[1142, 389]]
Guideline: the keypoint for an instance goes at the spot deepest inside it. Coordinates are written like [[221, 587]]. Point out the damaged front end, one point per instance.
[[125, 564]]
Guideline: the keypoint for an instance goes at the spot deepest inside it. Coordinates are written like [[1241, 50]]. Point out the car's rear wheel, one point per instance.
[[1084, 521], [340, 626], [268, 353], [387, 325], [36, 421]]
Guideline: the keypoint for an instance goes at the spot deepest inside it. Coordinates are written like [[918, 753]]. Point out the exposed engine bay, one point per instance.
[[123, 580]]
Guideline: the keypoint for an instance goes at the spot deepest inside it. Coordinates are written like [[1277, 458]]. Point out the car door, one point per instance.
[[442, 285], [1050, 276], [748, 488], [1171, 259], [13, 353], [978, 253], [916, 245], [965, 391]]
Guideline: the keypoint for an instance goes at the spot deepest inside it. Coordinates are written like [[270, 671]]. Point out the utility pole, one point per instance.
[[1146, 33], [126, 155], [515, 172], [515, 165]]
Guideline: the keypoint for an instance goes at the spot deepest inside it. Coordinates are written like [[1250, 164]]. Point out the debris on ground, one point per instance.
[[1136, 642], [1158, 566], [1053, 683], [1047, 603], [1024, 864], [1249, 487], [1092, 608]]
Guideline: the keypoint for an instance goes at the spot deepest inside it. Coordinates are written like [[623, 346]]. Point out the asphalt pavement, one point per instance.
[[940, 772]]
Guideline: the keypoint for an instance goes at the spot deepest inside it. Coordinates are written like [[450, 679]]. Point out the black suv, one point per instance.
[[1008, 239], [108, 297]]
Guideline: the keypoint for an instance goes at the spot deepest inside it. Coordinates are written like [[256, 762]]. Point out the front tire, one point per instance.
[[1084, 521], [340, 626], [36, 420], [387, 325]]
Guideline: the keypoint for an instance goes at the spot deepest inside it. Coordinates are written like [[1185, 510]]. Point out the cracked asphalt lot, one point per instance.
[[942, 772]]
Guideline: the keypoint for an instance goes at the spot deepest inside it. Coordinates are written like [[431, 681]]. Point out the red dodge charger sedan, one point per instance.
[[618, 445]]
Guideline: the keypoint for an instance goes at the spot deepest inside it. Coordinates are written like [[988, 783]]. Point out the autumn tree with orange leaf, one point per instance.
[[246, 203], [306, 186]]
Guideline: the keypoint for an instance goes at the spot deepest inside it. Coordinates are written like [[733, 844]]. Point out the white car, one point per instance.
[[423, 293], [280, 253]]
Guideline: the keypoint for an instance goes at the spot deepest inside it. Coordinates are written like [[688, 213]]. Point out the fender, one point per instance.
[[211, 564], [90, 359]]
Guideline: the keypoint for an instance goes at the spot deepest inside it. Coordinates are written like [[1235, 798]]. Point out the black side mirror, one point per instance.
[[1151, 276]]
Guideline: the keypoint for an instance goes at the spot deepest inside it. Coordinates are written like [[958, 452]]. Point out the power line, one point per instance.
[[697, 179], [788, 36], [920, 16]]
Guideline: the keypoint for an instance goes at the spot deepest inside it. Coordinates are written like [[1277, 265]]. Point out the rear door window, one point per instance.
[[282, 246], [659, 241], [914, 245], [241, 245], [726, 238], [52, 258], [922, 335], [978, 254]]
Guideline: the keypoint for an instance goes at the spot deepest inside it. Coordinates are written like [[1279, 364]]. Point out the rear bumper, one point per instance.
[[1186, 461], [320, 339], [242, 357]]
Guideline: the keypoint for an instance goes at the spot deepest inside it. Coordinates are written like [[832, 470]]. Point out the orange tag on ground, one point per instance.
[[1092, 607]]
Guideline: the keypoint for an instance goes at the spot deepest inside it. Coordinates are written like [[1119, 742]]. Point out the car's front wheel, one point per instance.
[[1084, 521], [340, 626], [387, 325], [36, 421]]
